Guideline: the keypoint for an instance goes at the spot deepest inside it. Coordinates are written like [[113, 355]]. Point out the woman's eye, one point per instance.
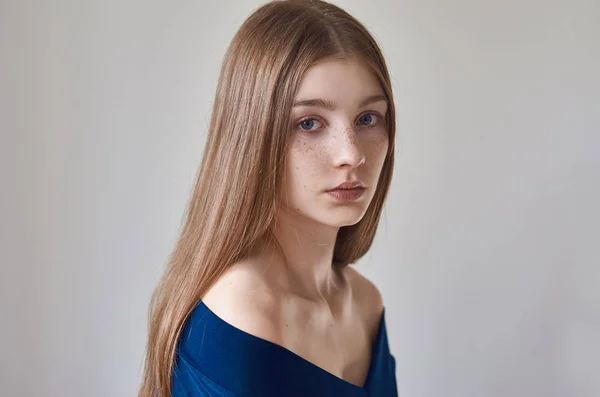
[[308, 124], [368, 119]]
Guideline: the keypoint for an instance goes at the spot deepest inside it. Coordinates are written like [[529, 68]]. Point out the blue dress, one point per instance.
[[216, 359]]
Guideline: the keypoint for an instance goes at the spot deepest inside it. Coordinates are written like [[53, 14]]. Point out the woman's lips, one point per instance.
[[347, 194]]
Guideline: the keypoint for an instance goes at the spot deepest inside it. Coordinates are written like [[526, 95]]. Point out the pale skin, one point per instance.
[[288, 293]]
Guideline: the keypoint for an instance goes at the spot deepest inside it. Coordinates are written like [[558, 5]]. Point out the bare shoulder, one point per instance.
[[367, 297], [243, 298]]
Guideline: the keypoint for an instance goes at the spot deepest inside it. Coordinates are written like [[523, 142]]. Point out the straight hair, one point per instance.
[[239, 182]]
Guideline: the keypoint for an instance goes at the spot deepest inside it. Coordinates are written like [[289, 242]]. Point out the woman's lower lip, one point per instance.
[[347, 194]]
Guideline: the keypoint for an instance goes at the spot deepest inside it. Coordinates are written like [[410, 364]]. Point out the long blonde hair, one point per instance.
[[236, 194]]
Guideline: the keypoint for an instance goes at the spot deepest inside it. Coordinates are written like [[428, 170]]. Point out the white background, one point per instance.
[[488, 251]]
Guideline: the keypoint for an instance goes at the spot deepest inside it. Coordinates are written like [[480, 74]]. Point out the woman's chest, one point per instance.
[[339, 344]]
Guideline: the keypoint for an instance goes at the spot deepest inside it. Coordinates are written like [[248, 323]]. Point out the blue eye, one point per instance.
[[368, 119], [307, 124]]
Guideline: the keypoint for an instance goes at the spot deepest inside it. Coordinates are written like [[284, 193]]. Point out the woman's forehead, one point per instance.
[[340, 82]]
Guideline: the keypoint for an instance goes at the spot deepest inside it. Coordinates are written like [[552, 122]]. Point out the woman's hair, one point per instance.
[[239, 182]]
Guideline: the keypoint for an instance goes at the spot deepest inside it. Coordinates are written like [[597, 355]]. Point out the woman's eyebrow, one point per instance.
[[322, 103]]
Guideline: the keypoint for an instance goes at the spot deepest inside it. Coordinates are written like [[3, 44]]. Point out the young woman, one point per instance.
[[258, 298]]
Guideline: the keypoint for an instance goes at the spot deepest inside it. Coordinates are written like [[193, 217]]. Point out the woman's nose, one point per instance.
[[346, 149]]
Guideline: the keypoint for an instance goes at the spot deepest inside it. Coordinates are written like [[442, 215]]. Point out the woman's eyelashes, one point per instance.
[[365, 120], [308, 124]]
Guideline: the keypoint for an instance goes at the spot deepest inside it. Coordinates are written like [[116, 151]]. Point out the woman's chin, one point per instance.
[[345, 217]]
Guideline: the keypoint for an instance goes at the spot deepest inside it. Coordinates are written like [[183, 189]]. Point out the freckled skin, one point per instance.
[[338, 146]]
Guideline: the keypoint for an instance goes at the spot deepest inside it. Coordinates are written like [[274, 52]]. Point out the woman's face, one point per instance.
[[338, 135]]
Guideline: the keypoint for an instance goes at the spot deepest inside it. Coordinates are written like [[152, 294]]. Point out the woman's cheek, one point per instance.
[[304, 158], [376, 147]]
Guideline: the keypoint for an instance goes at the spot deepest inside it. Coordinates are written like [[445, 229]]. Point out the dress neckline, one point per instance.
[[298, 358]]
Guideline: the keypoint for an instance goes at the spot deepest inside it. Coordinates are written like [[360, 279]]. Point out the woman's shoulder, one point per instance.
[[366, 297], [244, 299], [364, 289], [218, 350]]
